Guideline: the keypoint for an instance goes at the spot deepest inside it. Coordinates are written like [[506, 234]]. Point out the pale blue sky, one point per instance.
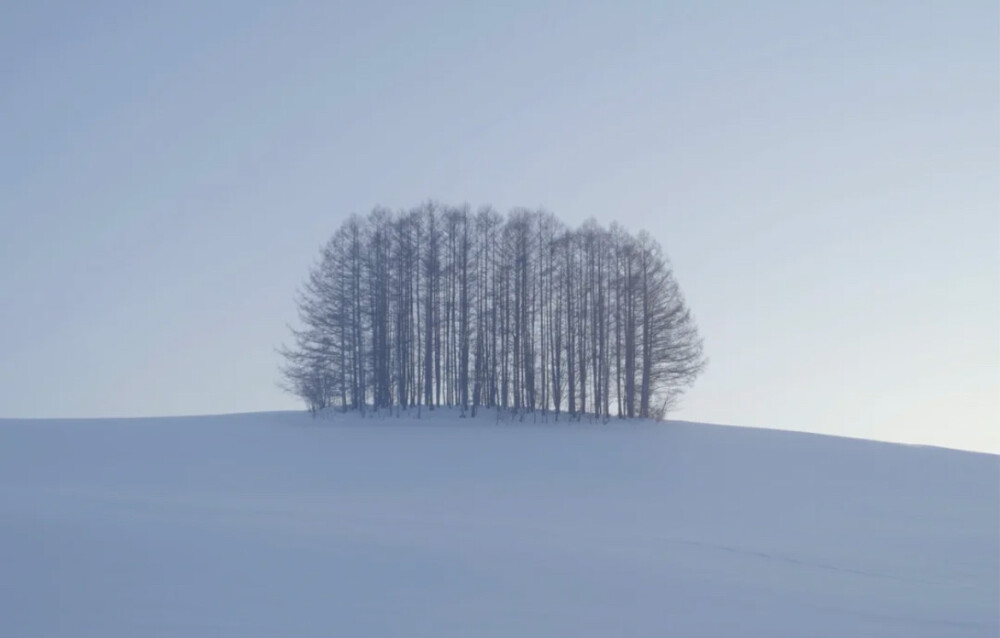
[[824, 176]]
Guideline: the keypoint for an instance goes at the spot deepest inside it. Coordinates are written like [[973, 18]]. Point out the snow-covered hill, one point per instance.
[[281, 525]]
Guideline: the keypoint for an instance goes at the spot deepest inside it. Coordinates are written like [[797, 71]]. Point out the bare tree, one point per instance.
[[437, 306]]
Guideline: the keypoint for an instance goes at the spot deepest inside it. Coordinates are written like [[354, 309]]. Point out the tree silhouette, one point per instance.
[[441, 306]]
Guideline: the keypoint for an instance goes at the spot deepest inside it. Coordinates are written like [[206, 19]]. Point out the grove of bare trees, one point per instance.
[[440, 306]]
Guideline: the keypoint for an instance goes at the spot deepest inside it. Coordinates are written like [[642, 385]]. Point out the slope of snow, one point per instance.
[[281, 525]]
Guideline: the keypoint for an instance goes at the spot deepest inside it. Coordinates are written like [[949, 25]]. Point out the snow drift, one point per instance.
[[281, 525]]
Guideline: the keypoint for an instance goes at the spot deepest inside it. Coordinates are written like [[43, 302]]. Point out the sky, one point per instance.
[[825, 178]]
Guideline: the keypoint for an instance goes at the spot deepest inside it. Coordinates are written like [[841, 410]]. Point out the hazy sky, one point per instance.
[[824, 176]]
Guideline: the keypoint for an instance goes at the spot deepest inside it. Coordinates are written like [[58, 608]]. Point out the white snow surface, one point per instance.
[[286, 526]]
